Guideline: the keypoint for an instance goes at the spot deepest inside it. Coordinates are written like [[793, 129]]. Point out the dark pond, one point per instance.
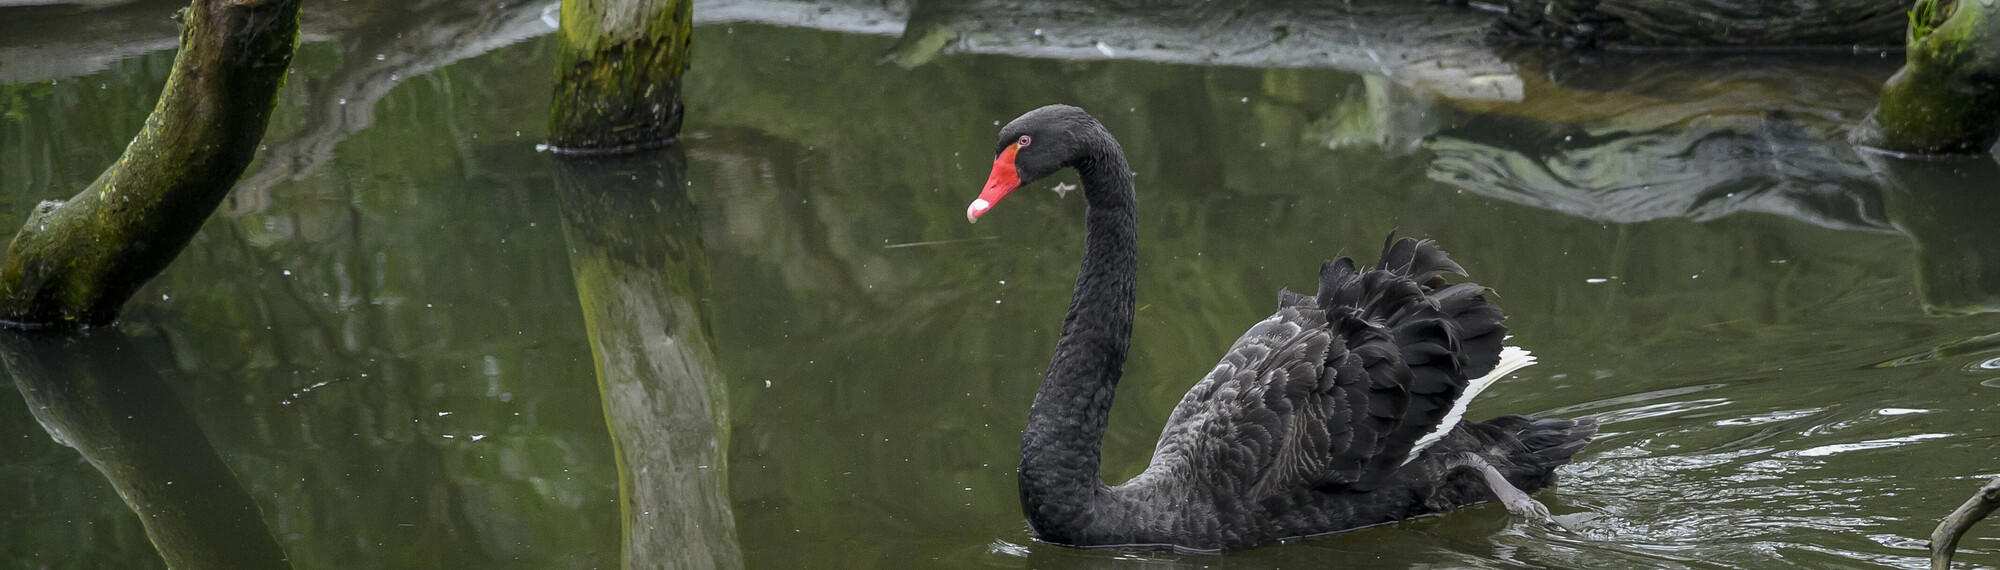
[[410, 337]]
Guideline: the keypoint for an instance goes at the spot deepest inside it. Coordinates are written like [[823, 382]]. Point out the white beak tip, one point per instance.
[[975, 210]]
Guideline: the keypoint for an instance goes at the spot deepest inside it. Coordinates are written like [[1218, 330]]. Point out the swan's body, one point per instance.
[[1339, 411]]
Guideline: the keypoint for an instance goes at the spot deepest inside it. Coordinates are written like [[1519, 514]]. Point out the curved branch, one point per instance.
[[76, 262], [1944, 540]]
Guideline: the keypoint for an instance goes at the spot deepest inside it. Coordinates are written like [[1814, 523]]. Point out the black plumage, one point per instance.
[[1312, 421]]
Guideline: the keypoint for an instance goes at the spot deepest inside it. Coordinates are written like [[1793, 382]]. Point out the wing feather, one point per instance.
[[1340, 388]]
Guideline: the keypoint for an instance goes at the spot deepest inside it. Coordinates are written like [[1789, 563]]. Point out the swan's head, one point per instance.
[[1031, 147]]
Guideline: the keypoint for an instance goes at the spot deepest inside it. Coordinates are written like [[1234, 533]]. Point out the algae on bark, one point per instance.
[[618, 74], [76, 262], [1946, 99]]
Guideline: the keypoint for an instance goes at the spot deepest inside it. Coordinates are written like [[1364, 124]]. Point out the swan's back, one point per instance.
[[1334, 391]]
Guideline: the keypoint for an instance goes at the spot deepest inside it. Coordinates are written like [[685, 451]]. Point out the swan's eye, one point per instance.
[[1025, 139]]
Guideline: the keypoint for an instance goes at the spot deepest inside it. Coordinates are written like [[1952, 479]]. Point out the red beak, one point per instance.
[[1002, 181]]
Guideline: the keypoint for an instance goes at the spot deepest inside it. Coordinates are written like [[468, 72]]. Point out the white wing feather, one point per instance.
[[1512, 359]]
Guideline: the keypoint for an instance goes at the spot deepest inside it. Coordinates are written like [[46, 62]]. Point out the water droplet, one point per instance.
[[380, 57], [343, 100]]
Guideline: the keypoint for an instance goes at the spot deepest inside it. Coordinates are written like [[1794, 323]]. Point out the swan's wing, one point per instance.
[[1243, 420], [1338, 389]]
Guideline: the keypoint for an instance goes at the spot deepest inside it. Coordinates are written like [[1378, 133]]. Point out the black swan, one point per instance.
[[1339, 411]]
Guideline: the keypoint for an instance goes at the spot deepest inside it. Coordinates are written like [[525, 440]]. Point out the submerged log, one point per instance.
[[93, 392], [641, 274], [618, 74], [1944, 540], [1946, 99], [76, 262]]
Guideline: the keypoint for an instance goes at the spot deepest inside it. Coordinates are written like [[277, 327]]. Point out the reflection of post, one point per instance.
[[94, 393], [1946, 206], [640, 268]]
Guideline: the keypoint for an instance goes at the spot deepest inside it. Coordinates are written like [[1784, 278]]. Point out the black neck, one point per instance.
[[1060, 483]]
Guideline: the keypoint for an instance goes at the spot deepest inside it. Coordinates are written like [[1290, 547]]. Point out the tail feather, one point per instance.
[[1549, 442]]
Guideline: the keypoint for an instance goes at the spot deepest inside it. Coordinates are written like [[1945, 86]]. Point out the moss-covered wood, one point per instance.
[[76, 262], [618, 74], [1946, 99], [95, 393]]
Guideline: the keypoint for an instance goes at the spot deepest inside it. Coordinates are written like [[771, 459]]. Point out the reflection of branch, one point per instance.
[[378, 59], [91, 38], [1944, 540], [1420, 44], [1712, 167], [94, 393]]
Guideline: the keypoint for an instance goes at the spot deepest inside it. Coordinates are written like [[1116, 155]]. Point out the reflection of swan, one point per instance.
[[1340, 411]]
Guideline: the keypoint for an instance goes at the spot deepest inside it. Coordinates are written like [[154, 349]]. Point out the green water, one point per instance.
[[391, 334]]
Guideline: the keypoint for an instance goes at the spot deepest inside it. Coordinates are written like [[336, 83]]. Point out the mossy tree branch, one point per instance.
[[76, 262], [1946, 99], [618, 74]]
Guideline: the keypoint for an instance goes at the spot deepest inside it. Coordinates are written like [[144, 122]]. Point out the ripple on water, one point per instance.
[[1987, 365], [1991, 383], [1826, 450]]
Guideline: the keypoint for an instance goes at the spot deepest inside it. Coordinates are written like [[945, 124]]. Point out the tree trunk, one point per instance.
[[1946, 99], [94, 393], [641, 274], [618, 74], [76, 262]]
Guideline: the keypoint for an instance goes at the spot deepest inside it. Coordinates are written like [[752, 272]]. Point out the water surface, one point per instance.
[[387, 333]]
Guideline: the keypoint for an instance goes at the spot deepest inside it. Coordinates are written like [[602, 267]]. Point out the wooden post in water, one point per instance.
[[641, 271], [618, 74], [76, 262], [1946, 99]]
